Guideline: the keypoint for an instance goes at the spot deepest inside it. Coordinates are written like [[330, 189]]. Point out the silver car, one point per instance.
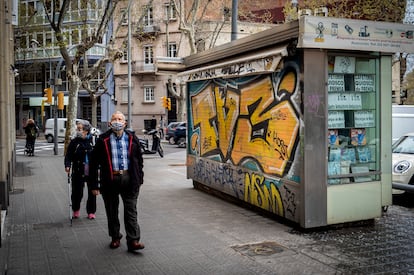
[[403, 161]]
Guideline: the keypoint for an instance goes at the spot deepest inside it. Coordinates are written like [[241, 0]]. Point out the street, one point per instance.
[[187, 231], [44, 148]]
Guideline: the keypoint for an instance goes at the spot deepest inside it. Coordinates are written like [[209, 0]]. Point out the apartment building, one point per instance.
[[39, 61], [157, 43]]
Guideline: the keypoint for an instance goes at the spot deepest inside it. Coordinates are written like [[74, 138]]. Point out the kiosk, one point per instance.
[[296, 120]]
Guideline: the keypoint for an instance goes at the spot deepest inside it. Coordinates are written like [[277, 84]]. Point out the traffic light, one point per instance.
[[164, 102], [168, 104], [48, 94], [61, 103]]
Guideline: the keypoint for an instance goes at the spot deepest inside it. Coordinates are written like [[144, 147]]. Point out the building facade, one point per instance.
[[8, 72], [157, 46], [40, 62]]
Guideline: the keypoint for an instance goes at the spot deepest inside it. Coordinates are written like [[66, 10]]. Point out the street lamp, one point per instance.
[[52, 86]]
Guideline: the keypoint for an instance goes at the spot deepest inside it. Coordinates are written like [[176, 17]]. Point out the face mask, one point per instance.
[[117, 126], [79, 134]]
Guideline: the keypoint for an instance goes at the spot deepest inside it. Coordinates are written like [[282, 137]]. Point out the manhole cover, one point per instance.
[[259, 249]]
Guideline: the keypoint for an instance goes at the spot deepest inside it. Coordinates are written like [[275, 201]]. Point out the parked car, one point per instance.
[[169, 131], [403, 161], [180, 136]]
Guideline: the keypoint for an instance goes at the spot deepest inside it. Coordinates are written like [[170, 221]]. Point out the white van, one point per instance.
[[61, 129], [402, 121]]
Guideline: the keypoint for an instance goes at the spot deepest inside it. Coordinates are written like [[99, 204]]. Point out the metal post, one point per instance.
[[234, 13], [53, 106], [129, 66]]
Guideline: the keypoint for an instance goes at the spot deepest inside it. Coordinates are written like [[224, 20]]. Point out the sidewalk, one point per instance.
[[185, 232]]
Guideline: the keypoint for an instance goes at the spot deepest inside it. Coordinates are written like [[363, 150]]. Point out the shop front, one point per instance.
[[296, 120]]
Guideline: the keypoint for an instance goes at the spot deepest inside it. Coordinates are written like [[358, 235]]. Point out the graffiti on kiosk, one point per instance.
[[248, 122], [243, 136], [250, 186], [236, 69], [266, 196]]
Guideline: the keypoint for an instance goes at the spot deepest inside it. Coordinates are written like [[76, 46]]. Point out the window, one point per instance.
[[172, 50], [170, 12], [353, 119], [49, 39], [124, 14], [149, 94], [148, 16], [74, 5], [75, 36], [124, 94], [148, 55], [84, 5], [124, 55]]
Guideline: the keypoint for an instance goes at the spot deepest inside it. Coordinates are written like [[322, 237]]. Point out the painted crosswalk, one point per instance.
[[40, 147]]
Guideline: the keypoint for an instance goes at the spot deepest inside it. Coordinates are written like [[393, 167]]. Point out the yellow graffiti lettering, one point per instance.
[[258, 194], [288, 82], [276, 201], [203, 110], [253, 193], [227, 114], [273, 139]]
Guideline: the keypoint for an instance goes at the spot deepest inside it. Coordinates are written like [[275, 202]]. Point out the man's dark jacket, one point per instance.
[[102, 159]]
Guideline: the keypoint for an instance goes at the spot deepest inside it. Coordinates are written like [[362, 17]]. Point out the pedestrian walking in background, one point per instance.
[[78, 156], [32, 131], [117, 162]]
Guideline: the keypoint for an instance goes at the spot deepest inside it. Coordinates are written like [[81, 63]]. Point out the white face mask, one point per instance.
[[117, 126], [79, 134]]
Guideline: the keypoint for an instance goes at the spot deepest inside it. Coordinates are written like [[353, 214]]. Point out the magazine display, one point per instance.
[[353, 140]]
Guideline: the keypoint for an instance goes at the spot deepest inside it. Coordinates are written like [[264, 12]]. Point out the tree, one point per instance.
[[201, 23], [389, 11], [81, 78], [409, 81]]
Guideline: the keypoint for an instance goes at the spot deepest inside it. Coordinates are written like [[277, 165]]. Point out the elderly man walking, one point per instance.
[[118, 158]]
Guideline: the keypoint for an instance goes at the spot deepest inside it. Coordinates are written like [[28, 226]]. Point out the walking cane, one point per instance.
[[70, 201]]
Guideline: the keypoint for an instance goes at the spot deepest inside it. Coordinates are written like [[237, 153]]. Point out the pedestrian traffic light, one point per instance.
[[61, 103], [169, 104], [164, 102], [48, 94]]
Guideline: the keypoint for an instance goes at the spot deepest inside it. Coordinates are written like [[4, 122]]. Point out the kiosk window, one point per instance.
[[353, 119]]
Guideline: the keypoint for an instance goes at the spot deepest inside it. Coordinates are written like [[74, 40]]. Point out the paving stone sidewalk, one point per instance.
[[185, 232]]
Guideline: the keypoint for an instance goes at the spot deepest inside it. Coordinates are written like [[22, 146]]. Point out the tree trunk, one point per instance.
[[94, 119], [72, 112], [181, 104]]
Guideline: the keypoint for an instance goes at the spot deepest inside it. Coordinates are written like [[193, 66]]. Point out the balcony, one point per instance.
[[145, 32], [139, 67], [42, 54]]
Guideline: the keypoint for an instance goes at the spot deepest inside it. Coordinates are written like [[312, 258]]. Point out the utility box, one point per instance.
[[296, 120]]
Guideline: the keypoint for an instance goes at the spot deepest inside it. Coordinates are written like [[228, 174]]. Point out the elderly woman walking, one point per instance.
[[77, 159]]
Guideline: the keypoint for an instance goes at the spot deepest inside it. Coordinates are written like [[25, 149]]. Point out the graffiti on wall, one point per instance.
[[248, 129]]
